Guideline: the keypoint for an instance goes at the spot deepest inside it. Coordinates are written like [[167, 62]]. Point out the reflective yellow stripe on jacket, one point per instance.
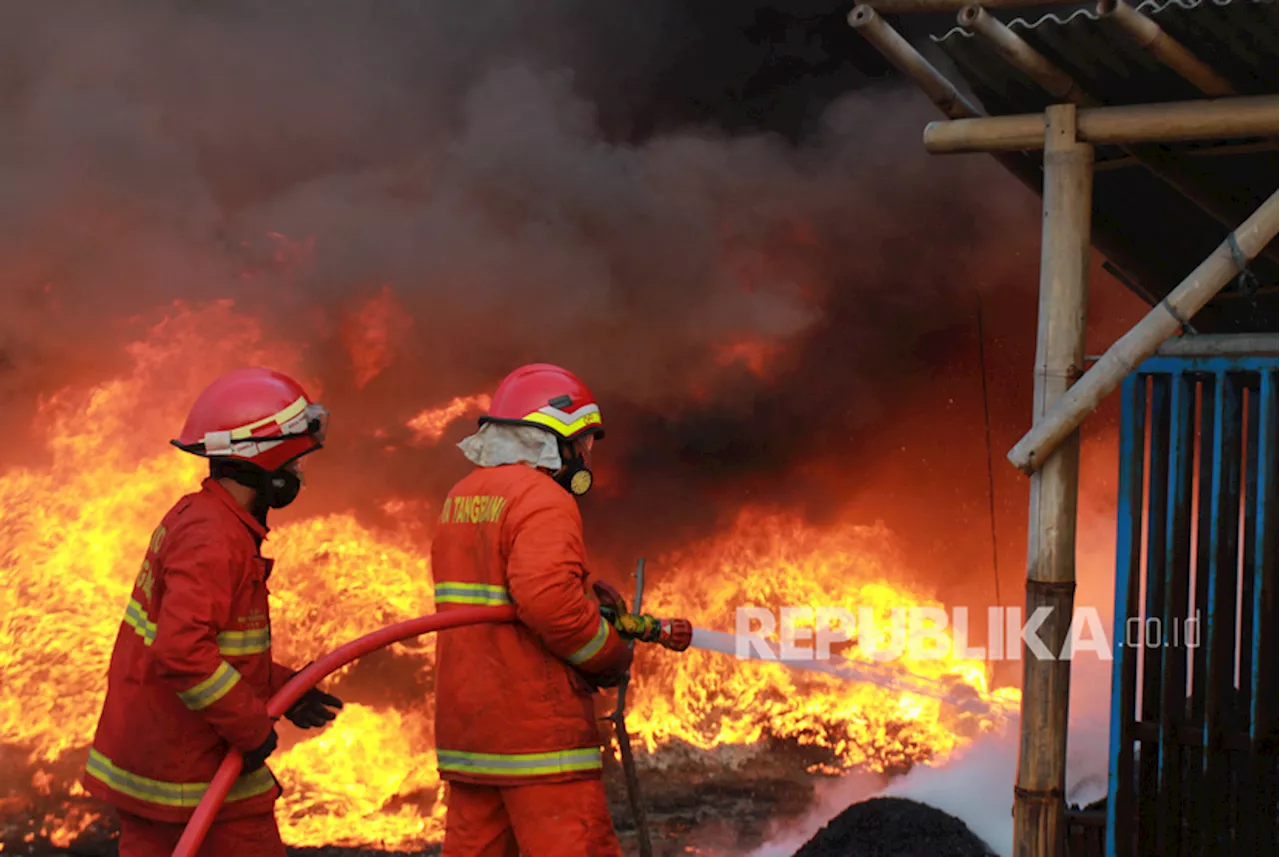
[[519, 764], [472, 593], [593, 646], [212, 689], [244, 642], [172, 794], [231, 643]]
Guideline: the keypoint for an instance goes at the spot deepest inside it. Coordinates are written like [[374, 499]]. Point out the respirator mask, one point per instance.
[[575, 474], [272, 489]]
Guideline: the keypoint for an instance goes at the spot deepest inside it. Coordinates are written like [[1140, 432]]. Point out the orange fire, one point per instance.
[[73, 530], [428, 426], [373, 333]]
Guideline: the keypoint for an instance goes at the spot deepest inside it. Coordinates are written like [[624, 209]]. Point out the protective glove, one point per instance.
[[257, 757], [610, 599], [313, 709]]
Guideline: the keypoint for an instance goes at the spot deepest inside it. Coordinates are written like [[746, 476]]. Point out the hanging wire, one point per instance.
[[991, 477]]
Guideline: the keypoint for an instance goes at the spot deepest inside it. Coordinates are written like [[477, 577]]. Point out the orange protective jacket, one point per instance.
[[191, 669], [511, 704]]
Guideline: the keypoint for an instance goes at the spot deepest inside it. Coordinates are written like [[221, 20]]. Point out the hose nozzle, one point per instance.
[[673, 634]]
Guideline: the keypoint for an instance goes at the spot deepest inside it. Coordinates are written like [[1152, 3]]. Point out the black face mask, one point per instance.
[[575, 477], [272, 490]]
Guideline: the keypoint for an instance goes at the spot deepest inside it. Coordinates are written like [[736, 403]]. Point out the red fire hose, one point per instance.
[[308, 678]]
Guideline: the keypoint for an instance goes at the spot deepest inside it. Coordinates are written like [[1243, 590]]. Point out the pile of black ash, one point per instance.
[[894, 827]]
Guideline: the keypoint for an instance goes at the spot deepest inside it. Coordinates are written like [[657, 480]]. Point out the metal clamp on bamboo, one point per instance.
[[1146, 337]]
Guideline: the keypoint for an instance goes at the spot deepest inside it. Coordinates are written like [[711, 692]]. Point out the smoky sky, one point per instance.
[[627, 189]]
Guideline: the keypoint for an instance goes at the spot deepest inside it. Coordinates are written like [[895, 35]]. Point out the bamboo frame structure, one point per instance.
[[1209, 119], [1181, 175], [1067, 133], [1108, 235], [1144, 339], [1039, 807]]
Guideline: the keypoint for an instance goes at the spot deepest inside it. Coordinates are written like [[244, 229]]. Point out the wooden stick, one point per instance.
[[1148, 35], [1224, 118], [619, 718], [1145, 338], [1039, 808]]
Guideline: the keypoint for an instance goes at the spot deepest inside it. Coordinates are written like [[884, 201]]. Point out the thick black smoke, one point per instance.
[[630, 189]]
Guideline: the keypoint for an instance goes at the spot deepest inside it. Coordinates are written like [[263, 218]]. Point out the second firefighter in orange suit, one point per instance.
[[192, 670], [516, 731]]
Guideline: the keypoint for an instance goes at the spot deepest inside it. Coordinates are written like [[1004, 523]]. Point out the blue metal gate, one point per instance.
[[1194, 689]]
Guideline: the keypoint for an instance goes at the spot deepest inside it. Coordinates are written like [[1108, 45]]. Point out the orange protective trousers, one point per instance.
[[537, 820], [251, 836]]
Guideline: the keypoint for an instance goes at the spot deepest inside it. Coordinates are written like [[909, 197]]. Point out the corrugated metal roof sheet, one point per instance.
[[1169, 234]]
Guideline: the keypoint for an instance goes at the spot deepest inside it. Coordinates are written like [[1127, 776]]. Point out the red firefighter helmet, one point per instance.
[[549, 397], [255, 415]]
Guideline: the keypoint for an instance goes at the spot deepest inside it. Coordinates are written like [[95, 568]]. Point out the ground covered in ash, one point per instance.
[[894, 827]]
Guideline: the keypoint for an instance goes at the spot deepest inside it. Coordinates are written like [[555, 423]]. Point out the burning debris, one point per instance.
[[370, 777]]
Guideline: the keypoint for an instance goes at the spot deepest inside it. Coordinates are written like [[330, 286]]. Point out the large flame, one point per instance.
[[772, 561], [74, 528]]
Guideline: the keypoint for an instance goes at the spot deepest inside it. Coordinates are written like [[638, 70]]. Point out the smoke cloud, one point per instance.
[[771, 289]]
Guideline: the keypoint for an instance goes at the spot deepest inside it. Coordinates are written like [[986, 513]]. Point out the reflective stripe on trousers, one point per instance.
[[519, 764]]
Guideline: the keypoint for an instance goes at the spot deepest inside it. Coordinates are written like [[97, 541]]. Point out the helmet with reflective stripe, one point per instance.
[[549, 397], [259, 416]]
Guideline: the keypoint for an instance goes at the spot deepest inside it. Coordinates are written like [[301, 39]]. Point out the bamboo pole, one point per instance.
[[1184, 177], [1039, 809], [934, 84], [1036, 449], [1171, 53], [1220, 344], [1209, 119], [908, 60], [1023, 57]]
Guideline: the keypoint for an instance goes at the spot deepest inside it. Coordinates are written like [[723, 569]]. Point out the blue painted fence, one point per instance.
[[1194, 683]]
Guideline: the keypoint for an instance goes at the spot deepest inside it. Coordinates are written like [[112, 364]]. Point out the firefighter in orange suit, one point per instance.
[[192, 670], [516, 731]]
